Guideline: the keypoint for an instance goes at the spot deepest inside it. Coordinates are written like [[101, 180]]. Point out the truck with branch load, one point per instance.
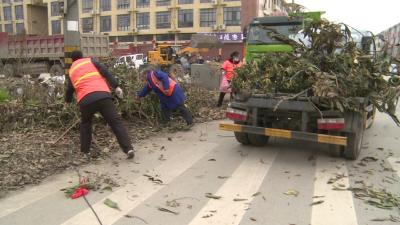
[[22, 54], [277, 113]]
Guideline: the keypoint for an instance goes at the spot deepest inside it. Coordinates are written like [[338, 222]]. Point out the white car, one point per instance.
[[131, 61]]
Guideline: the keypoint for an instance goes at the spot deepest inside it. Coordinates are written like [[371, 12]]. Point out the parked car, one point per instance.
[[132, 61]]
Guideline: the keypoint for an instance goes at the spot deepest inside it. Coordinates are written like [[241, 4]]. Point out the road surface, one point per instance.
[[272, 185]]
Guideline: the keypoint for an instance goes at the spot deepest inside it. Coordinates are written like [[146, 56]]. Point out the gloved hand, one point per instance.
[[119, 93]]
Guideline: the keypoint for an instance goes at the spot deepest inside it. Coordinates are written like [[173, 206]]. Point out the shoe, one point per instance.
[[130, 154], [188, 126]]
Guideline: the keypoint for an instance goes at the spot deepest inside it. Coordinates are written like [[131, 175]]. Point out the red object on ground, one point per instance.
[[79, 193]]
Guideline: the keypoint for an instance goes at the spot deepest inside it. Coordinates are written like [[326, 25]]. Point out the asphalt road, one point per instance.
[[272, 185]]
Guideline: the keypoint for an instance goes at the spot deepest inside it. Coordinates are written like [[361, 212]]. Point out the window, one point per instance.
[[87, 6], [207, 17], [165, 37], [143, 21], [7, 13], [123, 22], [105, 23], [231, 0], [127, 38], [142, 38], [6, 1], [163, 2], [185, 1], [184, 37], [87, 25], [205, 1], [8, 28], [163, 19], [19, 12], [123, 4], [142, 3], [1, 28], [55, 9], [112, 39], [232, 16], [56, 27], [185, 18], [20, 28], [105, 5]]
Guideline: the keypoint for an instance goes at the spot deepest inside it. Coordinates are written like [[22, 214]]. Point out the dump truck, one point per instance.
[[260, 116], [33, 55]]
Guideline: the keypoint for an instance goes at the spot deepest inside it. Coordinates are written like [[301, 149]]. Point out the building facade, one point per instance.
[[261, 8], [23, 17], [141, 21], [390, 41]]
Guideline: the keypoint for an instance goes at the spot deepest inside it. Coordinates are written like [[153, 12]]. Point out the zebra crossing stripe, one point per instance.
[[237, 191], [338, 206], [142, 188]]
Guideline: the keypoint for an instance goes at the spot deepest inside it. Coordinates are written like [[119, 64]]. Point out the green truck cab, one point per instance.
[[259, 40]]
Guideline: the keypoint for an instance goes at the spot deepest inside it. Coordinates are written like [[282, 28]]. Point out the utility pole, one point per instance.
[[72, 40]]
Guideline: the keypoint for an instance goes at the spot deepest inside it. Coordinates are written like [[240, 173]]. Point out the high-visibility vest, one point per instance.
[[86, 78], [159, 84]]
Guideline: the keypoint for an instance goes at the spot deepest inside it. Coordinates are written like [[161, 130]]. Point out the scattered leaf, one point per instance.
[[292, 193], [111, 204], [209, 195], [167, 210], [317, 202]]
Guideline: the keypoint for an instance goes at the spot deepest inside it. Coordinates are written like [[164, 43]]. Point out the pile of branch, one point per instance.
[[333, 68]]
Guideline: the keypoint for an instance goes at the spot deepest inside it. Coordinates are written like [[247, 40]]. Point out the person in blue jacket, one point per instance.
[[172, 97]]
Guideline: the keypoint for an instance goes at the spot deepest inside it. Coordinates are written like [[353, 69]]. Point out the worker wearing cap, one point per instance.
[[170, 93], [90, 80]]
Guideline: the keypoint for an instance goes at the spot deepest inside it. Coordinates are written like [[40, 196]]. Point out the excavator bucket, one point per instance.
[[205, 41]]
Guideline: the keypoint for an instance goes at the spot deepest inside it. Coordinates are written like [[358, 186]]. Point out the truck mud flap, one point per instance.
[[289, 134]]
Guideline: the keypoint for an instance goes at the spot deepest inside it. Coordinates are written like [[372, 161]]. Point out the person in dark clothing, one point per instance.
[[170, 93], [90, 80], [228, 68]]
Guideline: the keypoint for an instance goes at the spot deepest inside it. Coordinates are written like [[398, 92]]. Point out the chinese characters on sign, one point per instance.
[[228, 37]]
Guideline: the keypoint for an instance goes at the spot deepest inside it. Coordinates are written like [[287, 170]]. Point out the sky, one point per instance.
[[371, 15]]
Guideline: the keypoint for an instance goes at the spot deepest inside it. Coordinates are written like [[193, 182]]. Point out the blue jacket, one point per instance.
[[169, 102]]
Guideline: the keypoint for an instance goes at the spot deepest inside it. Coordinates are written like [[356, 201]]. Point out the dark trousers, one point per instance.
[[109, 112], [185, 113], [221, 98]]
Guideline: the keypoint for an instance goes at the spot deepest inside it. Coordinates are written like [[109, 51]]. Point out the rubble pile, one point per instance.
[[334, 68]]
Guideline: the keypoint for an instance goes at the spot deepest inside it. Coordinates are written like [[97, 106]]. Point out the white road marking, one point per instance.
[[338, 206], [243, 183], [395, 163], [142, 188], [33, 194]]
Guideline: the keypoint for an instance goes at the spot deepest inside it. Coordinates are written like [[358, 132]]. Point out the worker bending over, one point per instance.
[[170, 93], [90, 80]]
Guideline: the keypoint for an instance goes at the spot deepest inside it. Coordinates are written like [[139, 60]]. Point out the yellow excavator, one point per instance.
[[167, 56]]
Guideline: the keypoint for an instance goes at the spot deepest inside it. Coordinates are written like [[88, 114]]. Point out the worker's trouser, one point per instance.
[[185, 113], [108, 110]]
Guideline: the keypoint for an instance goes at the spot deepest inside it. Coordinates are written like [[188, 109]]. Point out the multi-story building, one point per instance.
[[138, 21], [260, 8], [391, 41], [23, 16]]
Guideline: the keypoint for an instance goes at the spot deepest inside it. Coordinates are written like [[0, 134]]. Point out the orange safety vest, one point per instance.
[[160, 87], [86, 78]]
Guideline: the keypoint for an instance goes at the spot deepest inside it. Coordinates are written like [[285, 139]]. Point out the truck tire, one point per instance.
[[56, 70], [241, 137], [8, 70], [258, 140], [354, 139]]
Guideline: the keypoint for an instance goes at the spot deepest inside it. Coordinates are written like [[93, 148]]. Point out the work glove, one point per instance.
[[119, 93]]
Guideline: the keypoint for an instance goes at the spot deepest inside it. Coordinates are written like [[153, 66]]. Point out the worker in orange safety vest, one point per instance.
[[90, 80]]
